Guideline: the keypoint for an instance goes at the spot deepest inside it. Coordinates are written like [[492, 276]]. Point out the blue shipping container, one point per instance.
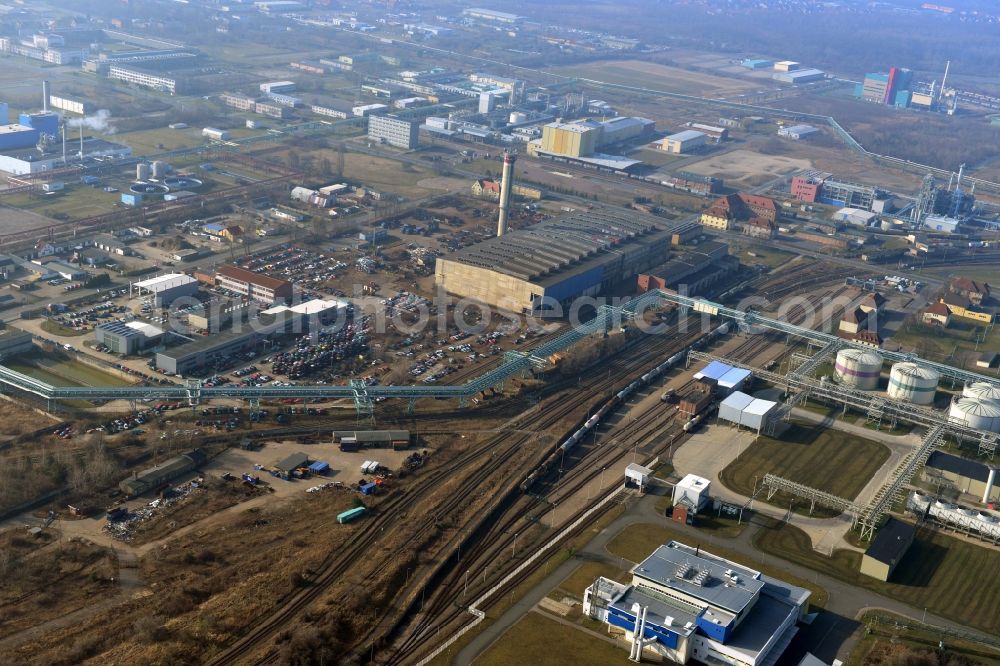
[[319, 467], [368, 489]]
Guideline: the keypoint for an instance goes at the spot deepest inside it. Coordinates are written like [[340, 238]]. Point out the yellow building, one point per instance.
[[570, 139], [716, 220], [959, 306]]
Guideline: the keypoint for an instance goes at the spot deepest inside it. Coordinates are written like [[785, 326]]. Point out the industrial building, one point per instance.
[[799, 76], [492, 15], [165, 289], [819, 187], [162, 474], [277, 87], [724, 377], [161, 80], [797, 132], [120, 338], [30, 160], [745, 410], [581, 139], [17, 136], [200, 353], [727, 212], [72, 105], [682, 143], [258, 287], [394, 131], [14, 342], [685, 604], [887, 549], [891, 88], [536, 269], [972, 477], [693, 270]]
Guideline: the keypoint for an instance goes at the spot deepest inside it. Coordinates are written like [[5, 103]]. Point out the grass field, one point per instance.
[[938, 573], [55, 328], [73, 203], [541, 641], [63, 372], [659, 77], [829, 460], [638, 541], [936, 343], [887, 642]]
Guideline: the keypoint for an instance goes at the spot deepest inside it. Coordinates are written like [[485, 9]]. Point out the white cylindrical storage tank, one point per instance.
[[858, 368], [976, 413], [159, 169], [142, 172], [982, 390], [518, 117], [913, 383]]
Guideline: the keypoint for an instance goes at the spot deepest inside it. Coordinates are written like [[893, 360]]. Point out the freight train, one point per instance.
[[552, 462]]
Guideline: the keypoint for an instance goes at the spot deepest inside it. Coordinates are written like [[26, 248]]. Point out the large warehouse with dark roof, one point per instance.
[[539, 268]]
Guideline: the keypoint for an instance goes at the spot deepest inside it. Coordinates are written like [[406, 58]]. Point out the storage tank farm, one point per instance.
[[858, 368], [976, 413], [910, 382], [982, 390]]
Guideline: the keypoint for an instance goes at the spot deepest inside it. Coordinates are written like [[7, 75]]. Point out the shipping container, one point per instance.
[[348, 516], [348, 444], [368, 489]]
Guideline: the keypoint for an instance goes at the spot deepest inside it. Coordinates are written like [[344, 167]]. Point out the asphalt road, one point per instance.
[[830, 636]]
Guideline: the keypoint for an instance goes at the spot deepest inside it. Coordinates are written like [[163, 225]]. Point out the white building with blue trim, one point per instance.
[[685, 604]]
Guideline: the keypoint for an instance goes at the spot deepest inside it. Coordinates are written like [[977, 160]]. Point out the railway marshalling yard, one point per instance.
[[232, 572]]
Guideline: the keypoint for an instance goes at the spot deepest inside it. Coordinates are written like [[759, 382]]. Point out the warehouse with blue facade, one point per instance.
[[686, 604]]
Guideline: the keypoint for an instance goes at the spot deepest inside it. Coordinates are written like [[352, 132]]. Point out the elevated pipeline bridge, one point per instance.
[[750, 319], [363, 395]]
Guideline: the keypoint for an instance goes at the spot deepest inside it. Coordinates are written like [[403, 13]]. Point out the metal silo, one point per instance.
[[976, 413], [159, 169], [142, 172], [858, 368], [913, 383], [982, 390]]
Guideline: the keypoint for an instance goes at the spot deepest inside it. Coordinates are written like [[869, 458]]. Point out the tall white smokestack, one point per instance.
[[990, 480], [505, 185], [45, 96]]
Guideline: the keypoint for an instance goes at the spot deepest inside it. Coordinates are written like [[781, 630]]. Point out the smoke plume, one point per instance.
[[98, 122]]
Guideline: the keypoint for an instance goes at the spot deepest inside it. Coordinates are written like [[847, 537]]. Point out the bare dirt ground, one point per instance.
[[744, 167]]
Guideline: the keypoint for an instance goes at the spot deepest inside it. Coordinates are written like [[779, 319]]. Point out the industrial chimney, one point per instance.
[[505, 185], [45, 96]]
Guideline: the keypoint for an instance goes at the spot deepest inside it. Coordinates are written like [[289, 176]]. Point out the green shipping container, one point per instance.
[[348, 516]]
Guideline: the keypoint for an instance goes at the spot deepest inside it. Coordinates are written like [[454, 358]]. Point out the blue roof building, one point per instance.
[[684, 604]]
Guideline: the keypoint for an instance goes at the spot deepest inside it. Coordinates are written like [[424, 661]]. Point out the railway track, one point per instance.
[[387, 516]]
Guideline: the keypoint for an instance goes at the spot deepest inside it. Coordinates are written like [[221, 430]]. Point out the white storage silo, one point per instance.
[[142, 172], [159, 169], [982, 390], [858, 368], [518, 117], [913, 383], [976, 413]]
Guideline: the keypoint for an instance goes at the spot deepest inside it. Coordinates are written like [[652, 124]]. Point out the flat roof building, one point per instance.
[[14, 342], [682, 142], [166, 288], [686, 604], [162, 474], [797, 132], [492, 15], [119, 338], [542, 268], [394, 131]]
